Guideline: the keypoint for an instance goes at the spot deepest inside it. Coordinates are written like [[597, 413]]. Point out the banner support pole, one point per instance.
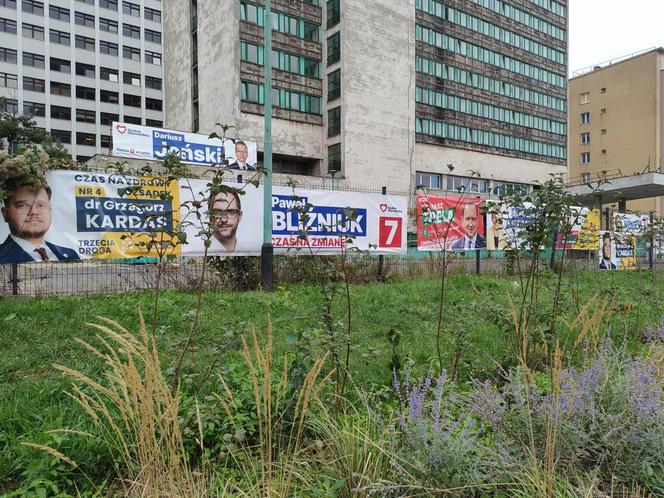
[[267, 251], [381, 258]]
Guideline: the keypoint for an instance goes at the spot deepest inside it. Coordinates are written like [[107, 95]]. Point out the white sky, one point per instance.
[[600, 30]]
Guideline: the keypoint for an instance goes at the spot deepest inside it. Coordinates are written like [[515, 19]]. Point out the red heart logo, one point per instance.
[[383, 207], [121, 128]]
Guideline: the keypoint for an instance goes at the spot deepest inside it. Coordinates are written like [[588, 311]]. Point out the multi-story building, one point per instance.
[[78, 65], [615, 121], [389, 93]]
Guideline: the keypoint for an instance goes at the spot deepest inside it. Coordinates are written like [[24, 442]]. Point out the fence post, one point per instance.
[[13, 278], [651, 250], [477, 261], [381, 258], [552, 261]]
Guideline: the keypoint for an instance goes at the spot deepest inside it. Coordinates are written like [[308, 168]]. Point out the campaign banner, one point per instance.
[[630, 223], [617, 251], [329, 222], [584, 232], [83, 215], [449, 224], [154, 144]]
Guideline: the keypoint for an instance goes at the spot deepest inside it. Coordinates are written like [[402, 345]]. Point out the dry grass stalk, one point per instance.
[[137, 414]]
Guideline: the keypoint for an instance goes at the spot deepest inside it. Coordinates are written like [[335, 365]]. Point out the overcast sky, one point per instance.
[[602, 30]]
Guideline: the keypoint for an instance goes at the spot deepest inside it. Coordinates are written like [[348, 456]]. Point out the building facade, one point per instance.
[[615, 121], [78, 65], [393, 93]]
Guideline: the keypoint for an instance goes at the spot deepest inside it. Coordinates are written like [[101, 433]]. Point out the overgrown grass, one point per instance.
[[38, 333]]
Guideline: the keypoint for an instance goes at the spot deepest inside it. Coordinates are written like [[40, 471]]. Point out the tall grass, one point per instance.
[[136, 413]]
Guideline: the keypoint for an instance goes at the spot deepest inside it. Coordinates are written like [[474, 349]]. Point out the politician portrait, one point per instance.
[[225, 213]]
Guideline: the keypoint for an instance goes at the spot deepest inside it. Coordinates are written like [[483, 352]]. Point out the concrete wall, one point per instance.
[[177, 65]]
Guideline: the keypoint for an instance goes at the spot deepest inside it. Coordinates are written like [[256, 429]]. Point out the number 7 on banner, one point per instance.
[[389, 233]]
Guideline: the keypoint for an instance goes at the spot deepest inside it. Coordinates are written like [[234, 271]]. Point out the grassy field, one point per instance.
[[37, 333]]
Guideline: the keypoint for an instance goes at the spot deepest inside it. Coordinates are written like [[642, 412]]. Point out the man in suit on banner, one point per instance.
[[241, 155], [27, 211], [471, 240]]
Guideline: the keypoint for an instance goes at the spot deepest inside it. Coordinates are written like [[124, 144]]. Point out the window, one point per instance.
[[106, 118], [251, 92], [34, 84], [603, 110], [585, 137], [83, 19], [61, 112], [10, 81], [603, 89], [64, 136], [153, 36], [109, 48], [333, 49], [472, 184], [153, 104], [89, 2], [428, 180], [603, 151], [33, 7], [108, 74], [10, 4], [603, 132], [60, 65], [86, 70], [132, 119], [585, 97], [334, 122], [131, 100], [132, 53], [153, 58], [334, 158], [333, 13], [154, 122], [85, 43], [58, 13], [585, 157], [85, 116], [109, 4], [152, 82], [33, 60], [8, 55], [62, 89], [108, 25], [9, 105], [334, 85], [109, 97], [152, 14], [105, 141], [82, 159], [131, 78], [131, 31], [85, 92], [86, 139], [585, 177], [7, 25], [32, 31], [34, 109], [585, 117], [59, 37], [131, 9]]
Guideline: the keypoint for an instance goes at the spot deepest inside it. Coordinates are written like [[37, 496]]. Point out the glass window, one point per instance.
[[59, 37], [333, 49], [58, 13], [153, 58], [153, 82], [10, 81], [83, 19], [109, 4], [10, 4], [61, 112], [33, 7], [132, 53], [86, 70], [86, 139], [131, 9], [109, 48], [62, 89], [107, 118], [154, 122], [109, 96], [108, 74], [8, 55], [152, 36], [428, 180], [85, 43], [334, 85], [34, 109], [33, 60], [9, 105], [34, 84], [131, 78], [34, 32], [334, 158], [131, 31], [84, 92], [85, 116], [152, 14], [7, 25], [63, 136], [131, 100], [108, 25], [153, 104], [333, 13], [334, 122]]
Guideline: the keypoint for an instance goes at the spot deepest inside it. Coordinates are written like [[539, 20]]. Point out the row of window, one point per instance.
[[521, 16], [64, 38], [488, 138], [467, 106], [81, 115], [333, 13], [286, 99], [444, 71], [281, 60], [281, 22], [487, 56], [552, 6], [468, 184], [37, 8], [478, 25]]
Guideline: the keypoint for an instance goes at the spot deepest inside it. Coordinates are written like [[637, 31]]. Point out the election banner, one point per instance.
[[82, 215], [448, 223], [617, 251], [630, 223], [584, 232], [155, 144], [329, 222]]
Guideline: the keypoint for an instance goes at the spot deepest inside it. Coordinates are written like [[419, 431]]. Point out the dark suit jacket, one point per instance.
[[460, 244], [604, 266], [236, 165], [11, 252]]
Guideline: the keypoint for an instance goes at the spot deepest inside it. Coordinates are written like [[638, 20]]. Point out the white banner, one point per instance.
[[327, 222], [154, 144]]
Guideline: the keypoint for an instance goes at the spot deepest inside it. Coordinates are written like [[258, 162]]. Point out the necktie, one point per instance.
[[42, 253]]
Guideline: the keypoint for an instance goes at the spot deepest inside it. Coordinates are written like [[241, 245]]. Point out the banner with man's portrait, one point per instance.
[[617, 251], [449, 224]]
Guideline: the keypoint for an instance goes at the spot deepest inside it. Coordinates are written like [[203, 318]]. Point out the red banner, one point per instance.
[[449, 223]]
